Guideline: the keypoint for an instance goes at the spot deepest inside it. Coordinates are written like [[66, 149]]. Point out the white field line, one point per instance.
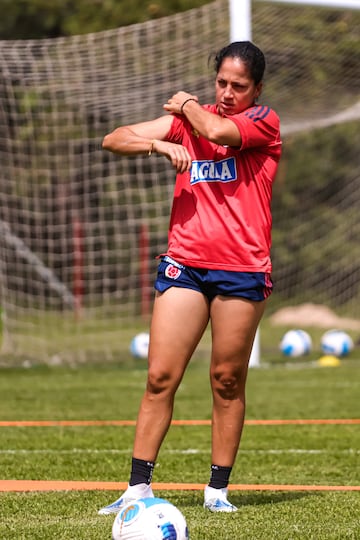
[[275, 451]]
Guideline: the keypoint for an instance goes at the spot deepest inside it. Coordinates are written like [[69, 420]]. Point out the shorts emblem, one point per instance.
[[172, 272]]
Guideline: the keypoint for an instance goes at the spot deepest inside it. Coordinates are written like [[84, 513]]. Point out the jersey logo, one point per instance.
[[213, 171]]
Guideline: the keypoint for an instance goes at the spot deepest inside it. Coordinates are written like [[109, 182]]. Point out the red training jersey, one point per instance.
[[221, 213]]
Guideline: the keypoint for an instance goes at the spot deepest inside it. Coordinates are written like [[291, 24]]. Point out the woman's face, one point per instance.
[[235, 90]]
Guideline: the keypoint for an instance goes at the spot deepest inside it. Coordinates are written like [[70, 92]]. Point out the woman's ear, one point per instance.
[[258, 89]]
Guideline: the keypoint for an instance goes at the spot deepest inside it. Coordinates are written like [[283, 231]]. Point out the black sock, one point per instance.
[[219, 476], [141, 471]]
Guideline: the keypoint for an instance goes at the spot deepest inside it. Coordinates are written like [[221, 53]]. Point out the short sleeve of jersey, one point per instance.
[[180, 125], [259, 126], [176, 132]]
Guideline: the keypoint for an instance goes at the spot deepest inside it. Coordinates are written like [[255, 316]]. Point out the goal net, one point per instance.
[[80, 228]]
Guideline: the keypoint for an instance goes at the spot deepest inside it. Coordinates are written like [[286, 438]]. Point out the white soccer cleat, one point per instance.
[[133, 493], [216, 500]]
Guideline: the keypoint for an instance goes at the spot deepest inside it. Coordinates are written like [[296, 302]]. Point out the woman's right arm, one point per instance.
[[147, 138]]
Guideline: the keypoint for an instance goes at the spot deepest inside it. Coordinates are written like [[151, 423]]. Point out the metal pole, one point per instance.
[[240, 30], [240, 20], [340, 4]]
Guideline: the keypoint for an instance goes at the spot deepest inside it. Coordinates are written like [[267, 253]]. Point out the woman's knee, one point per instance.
[[228, 383], [159, 382]]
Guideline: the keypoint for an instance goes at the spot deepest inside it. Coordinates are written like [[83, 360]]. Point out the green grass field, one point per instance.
[[270, 454]]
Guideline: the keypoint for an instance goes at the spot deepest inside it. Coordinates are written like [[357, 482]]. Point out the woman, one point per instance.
[[217, 266]]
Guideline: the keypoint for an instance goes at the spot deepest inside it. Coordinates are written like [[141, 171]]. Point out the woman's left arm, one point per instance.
[[213, 127]]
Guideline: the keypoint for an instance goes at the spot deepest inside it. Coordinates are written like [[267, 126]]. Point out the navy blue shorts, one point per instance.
[[254, 286]]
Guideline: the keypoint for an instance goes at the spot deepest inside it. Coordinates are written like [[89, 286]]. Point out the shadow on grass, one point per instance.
[[261, 498], [240, 499]]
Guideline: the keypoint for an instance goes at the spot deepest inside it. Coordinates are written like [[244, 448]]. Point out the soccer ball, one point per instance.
[[150, 519], [295, 343], [139, 346], [336, 342]]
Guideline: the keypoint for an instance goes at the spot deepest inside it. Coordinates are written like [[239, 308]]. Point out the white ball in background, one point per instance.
[[139, 346], [336, 342], [296, 343]]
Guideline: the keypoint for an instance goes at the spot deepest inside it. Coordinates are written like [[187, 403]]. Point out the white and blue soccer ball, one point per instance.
[[336, 342], [150, 519], [296, 343], [139, 346]]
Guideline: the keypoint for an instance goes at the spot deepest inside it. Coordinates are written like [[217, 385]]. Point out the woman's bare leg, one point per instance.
[[179, 319], [234, 323]]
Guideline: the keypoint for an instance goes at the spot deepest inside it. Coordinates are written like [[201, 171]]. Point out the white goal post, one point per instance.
[[240, 29], [342, 4]]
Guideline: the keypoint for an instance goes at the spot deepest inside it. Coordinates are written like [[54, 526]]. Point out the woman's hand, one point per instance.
[[177, 154], [176, 102]]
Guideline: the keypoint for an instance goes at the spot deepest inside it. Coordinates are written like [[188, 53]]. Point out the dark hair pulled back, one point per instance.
[[248, 53]]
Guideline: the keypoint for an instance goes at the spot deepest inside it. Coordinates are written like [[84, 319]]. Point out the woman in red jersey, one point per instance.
[[217, 266]]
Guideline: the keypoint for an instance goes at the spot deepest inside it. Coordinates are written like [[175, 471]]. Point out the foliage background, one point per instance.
[[30, 19]]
